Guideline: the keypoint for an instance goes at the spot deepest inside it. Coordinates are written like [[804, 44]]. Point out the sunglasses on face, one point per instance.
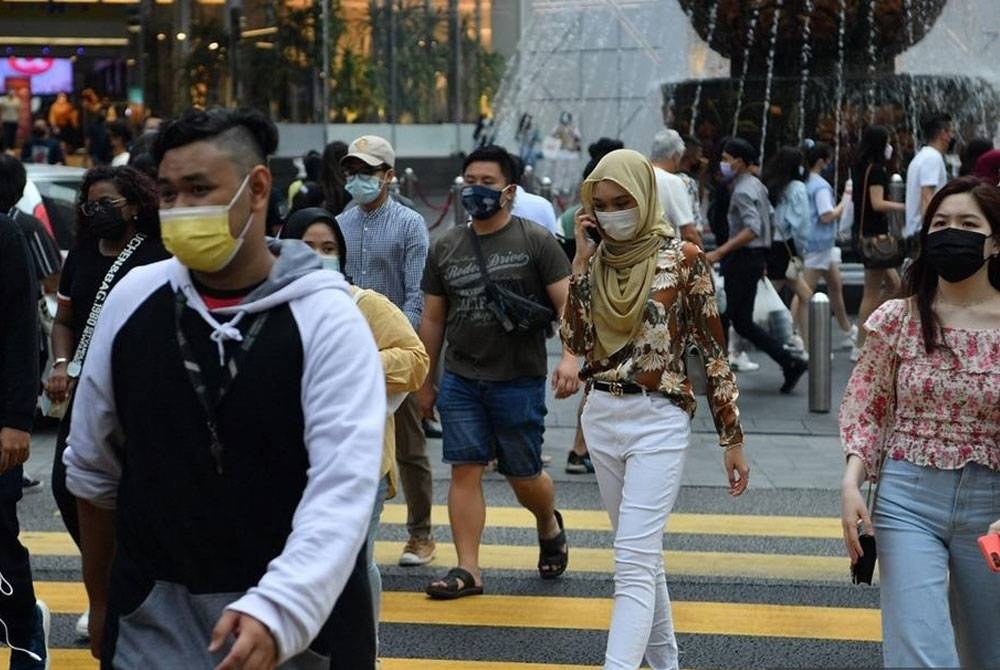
[[92, 207]]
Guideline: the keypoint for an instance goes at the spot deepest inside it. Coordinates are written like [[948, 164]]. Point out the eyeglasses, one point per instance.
[[91, 207]]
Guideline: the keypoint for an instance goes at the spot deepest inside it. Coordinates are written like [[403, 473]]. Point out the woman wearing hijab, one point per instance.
[[635, 299]]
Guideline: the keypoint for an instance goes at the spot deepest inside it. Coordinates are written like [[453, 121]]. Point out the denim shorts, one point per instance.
[[483, 420]]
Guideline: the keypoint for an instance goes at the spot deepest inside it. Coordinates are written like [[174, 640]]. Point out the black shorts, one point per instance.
[[778, 259]]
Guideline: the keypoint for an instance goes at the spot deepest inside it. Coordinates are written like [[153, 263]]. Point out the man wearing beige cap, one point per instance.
[[386, 252]]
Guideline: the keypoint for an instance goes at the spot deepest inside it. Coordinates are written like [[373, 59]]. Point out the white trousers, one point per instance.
[[638, 444]]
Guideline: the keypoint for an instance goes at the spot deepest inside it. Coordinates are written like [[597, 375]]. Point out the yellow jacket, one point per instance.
[[404, 360]]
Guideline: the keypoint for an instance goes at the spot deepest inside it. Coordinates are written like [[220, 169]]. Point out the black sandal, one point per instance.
[[459, 583], [553, 553]]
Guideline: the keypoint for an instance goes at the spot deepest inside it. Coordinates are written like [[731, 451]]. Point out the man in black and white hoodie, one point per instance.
[[227, 442]]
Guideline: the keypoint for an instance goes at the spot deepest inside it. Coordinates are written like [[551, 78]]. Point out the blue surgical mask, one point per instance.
[[481, 202], [364, 188], [331, 263], [727, 171]]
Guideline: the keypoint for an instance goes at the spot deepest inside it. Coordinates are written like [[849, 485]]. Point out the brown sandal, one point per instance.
[[553, 553]]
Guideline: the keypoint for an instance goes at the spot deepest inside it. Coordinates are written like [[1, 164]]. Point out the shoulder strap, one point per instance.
[[493, 302], [864, 202]]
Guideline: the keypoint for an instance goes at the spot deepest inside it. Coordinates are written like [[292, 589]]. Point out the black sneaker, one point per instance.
[[579, 465], [29, 485], [35, 655], [793, 372]]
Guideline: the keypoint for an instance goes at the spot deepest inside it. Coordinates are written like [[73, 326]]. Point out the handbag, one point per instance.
[[796, 267], [514, 311], [885, 249]]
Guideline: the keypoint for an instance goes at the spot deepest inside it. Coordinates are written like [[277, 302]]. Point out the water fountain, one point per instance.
[[822, 69]]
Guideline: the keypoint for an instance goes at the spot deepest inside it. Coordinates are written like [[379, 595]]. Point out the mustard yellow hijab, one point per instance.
[[622, 272]]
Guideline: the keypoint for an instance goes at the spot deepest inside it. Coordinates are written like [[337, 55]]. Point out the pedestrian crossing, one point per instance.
[[795, 601]]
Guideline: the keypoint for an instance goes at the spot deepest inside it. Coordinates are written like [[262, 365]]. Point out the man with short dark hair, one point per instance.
[[120, 136], [41, 148], [26, 621], [927, 172], [227, 438], [492, 396], [744, 255], [387, 248]]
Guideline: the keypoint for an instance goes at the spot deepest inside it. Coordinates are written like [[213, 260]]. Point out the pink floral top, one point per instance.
[[944, 411]]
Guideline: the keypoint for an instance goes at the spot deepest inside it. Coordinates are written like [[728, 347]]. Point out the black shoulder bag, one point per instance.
[[514, 311]]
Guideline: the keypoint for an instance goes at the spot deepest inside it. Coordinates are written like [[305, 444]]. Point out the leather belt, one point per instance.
[[618, 389]]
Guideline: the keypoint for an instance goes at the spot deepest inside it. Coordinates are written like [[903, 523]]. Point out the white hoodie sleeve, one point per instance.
[[343, 402], [92, 467]]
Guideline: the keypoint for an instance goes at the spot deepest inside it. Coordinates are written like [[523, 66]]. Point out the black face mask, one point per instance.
[[107, 223], [956, 254], [951, 145]]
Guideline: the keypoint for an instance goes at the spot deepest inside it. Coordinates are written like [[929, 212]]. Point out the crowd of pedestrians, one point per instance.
[[243, 384]]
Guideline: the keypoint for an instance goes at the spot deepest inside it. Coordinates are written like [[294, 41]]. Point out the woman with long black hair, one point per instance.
[[117, 229], [782, 175], [921, 415], [871, 188]]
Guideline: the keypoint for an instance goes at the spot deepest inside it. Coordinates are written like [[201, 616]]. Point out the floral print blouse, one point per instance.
[[681, 310], [943, 410]]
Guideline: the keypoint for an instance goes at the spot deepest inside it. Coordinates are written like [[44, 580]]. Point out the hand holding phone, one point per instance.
[[990, 546]]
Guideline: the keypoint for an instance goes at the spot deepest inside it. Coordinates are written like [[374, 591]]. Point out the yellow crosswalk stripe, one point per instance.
[[795, 567], [706, 524], [80, 659], [704, 618], [696, 617]]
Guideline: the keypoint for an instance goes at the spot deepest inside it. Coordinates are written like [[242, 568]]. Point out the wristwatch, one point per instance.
[[74, 369]]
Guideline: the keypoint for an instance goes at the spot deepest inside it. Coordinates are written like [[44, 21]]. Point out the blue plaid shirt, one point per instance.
[[386, 252]]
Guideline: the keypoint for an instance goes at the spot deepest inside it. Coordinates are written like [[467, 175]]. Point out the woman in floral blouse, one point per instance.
[[636, 301], [925, 396]]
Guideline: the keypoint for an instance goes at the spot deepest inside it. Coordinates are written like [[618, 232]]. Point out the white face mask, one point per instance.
[[888, 152], [621, 225], [330, 263]]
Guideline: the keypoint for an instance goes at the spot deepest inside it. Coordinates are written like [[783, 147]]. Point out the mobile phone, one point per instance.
[[594, 233], [863, 571], [990, 546]]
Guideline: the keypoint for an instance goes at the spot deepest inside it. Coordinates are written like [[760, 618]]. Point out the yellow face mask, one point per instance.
[[199, 237]]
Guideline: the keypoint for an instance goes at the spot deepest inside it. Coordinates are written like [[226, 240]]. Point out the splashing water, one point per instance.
[[751, 30], [713, 14], [872, 62], [806, 54], [909, 17], [841, 27], [775, 20]]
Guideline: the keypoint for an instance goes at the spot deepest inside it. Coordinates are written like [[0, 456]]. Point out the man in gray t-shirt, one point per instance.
[[492, 395], [744, 256]]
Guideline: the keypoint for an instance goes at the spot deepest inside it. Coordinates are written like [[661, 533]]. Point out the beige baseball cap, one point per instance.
[[373, 150]]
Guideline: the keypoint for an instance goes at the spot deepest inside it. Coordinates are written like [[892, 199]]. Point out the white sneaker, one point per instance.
[[855, 354], [742, 363], [83, 626], [850, 338], [795, 343]]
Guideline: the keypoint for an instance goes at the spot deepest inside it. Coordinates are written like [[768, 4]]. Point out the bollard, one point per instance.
[[819, 353], [456, 200], [546, 190], [408, 183], [897, 193], [394, 188], [528, 179]]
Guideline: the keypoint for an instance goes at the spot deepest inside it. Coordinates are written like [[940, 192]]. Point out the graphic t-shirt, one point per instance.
[[85, 269], [521, 257]]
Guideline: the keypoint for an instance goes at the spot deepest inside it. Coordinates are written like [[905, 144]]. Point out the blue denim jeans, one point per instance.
[[940, 602], [482, 420]]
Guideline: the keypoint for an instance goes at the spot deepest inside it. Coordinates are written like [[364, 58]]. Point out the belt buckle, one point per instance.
[[616, 389]]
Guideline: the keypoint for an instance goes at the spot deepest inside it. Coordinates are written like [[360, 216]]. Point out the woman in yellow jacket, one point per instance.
[[404, 358]]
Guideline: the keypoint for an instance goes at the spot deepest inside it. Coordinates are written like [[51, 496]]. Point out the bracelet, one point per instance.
[[59, 361], [730, 447]]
